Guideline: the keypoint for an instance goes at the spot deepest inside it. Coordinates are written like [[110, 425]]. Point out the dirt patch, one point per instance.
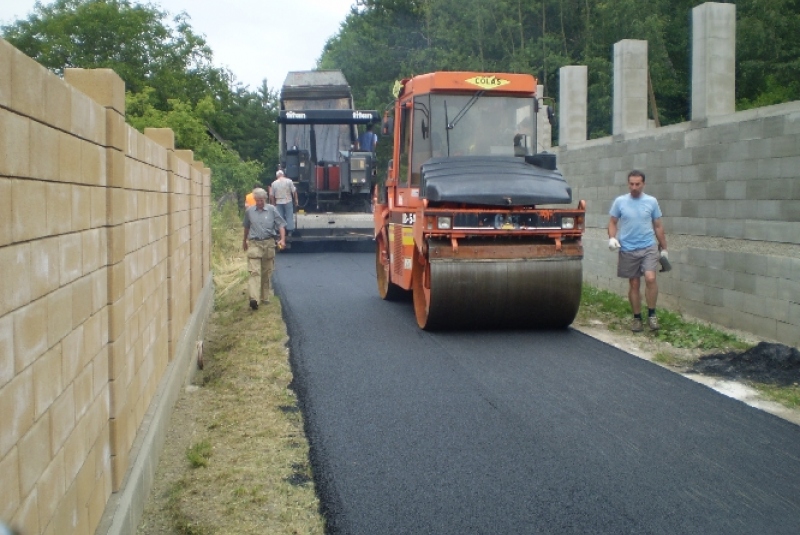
[[767, 362]]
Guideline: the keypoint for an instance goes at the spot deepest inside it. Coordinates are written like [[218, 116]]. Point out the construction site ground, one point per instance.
[[236, 457]]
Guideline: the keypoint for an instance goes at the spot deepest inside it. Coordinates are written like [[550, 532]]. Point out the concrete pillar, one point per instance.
[[544, 130], [713, 60], [630, 86], [573, 99]]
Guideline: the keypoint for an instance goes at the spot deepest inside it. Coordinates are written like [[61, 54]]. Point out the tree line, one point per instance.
[[170, 81], [385, 40]]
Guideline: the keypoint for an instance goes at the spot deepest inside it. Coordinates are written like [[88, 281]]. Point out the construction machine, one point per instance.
[[317, 136], [470, 218]]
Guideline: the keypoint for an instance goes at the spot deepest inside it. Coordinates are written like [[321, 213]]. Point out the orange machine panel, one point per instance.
[[471, 81], [327, 178]]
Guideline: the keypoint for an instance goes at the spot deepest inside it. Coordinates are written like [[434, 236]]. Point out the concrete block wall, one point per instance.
[[86, 221], [729, 188], [728, 185]]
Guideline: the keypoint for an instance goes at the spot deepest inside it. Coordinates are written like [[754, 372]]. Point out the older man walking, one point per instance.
[[263, 225]]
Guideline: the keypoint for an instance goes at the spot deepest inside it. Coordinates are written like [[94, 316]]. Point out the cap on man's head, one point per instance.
[[279, 173]]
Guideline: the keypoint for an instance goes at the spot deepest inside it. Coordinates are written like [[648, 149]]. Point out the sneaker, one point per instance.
[[254, 304], [636, 325], [652, 322]]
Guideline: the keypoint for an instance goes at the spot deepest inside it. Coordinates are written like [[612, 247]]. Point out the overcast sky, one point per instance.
[[255, 39]]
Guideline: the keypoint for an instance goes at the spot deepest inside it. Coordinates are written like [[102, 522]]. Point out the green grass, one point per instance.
[[788, 396], [675, 330], [199, 454]]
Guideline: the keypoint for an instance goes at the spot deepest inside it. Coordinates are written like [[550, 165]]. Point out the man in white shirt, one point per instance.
[[283, 193]]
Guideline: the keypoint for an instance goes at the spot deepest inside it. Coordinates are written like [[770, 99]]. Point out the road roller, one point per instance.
[[471, 219]]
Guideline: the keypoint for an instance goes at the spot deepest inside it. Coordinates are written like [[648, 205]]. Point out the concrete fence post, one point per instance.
[[713, 60], [573, 100], [630, 86], [544, 130]]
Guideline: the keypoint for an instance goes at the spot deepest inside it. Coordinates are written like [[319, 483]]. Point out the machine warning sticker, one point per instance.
[[406, 263], [415, 193], [409, 218], [488, 82], [408, 236]]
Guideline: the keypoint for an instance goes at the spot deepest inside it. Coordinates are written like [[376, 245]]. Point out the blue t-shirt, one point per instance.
[[635, 220], [367, 141]]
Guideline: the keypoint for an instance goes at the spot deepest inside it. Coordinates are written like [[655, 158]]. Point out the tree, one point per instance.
[[229, 172], [406, 37], [169, 78], [136, 41]]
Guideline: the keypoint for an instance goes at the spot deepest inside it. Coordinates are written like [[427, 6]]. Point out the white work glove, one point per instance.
[[664, 260], [613, 244]]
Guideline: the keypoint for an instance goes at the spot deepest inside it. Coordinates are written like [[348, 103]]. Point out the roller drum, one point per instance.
[[517, 293]]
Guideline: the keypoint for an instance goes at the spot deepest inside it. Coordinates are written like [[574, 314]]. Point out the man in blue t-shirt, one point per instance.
[[368, 140], [635, 230]]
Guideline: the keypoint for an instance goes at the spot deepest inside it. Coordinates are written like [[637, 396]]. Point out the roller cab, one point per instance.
[[470, 219]]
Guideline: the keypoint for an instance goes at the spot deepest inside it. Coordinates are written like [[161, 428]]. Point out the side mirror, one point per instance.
[[550, 115]]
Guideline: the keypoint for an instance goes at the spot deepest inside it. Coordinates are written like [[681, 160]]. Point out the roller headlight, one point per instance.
[[444, 223], [568, 223]]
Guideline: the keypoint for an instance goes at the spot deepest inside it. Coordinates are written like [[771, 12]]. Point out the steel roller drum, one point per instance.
[[517, 293]]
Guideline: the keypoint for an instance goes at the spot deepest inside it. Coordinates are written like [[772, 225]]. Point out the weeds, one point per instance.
[[675, 330], [788, 396], [199, 454]]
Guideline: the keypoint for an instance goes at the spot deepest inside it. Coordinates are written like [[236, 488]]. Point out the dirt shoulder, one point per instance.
[[235, 459]]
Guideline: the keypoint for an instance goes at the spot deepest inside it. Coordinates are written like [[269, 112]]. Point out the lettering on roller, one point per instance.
[[488, 82]]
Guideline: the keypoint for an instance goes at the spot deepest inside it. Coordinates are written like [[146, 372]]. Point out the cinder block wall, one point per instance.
[[729, 188], [104, 248]]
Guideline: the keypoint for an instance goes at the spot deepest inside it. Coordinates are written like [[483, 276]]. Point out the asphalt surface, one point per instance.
[[515, 432]]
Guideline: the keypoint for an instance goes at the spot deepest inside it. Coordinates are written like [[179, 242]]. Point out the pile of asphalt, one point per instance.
[[765, 363]]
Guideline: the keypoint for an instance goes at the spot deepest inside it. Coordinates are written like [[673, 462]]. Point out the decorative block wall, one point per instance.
[[104, 248]]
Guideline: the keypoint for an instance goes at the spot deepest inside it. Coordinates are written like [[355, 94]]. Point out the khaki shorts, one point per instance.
[[633, 264]]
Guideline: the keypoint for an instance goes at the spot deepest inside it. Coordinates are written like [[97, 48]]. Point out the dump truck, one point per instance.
[[470, 218], [317, 136]]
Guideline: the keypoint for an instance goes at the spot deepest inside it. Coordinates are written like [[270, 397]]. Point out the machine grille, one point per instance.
[[397, 250], [489, 220]]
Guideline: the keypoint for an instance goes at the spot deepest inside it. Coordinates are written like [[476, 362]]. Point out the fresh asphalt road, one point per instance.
[[515, 432]]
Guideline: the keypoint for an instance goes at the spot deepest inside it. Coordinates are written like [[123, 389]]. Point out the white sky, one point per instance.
[[255, 39]]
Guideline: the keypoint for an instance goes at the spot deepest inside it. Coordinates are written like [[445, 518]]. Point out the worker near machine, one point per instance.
[[636, 231], [282, 194], [263, 224], [249, 199], [368, 140]]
